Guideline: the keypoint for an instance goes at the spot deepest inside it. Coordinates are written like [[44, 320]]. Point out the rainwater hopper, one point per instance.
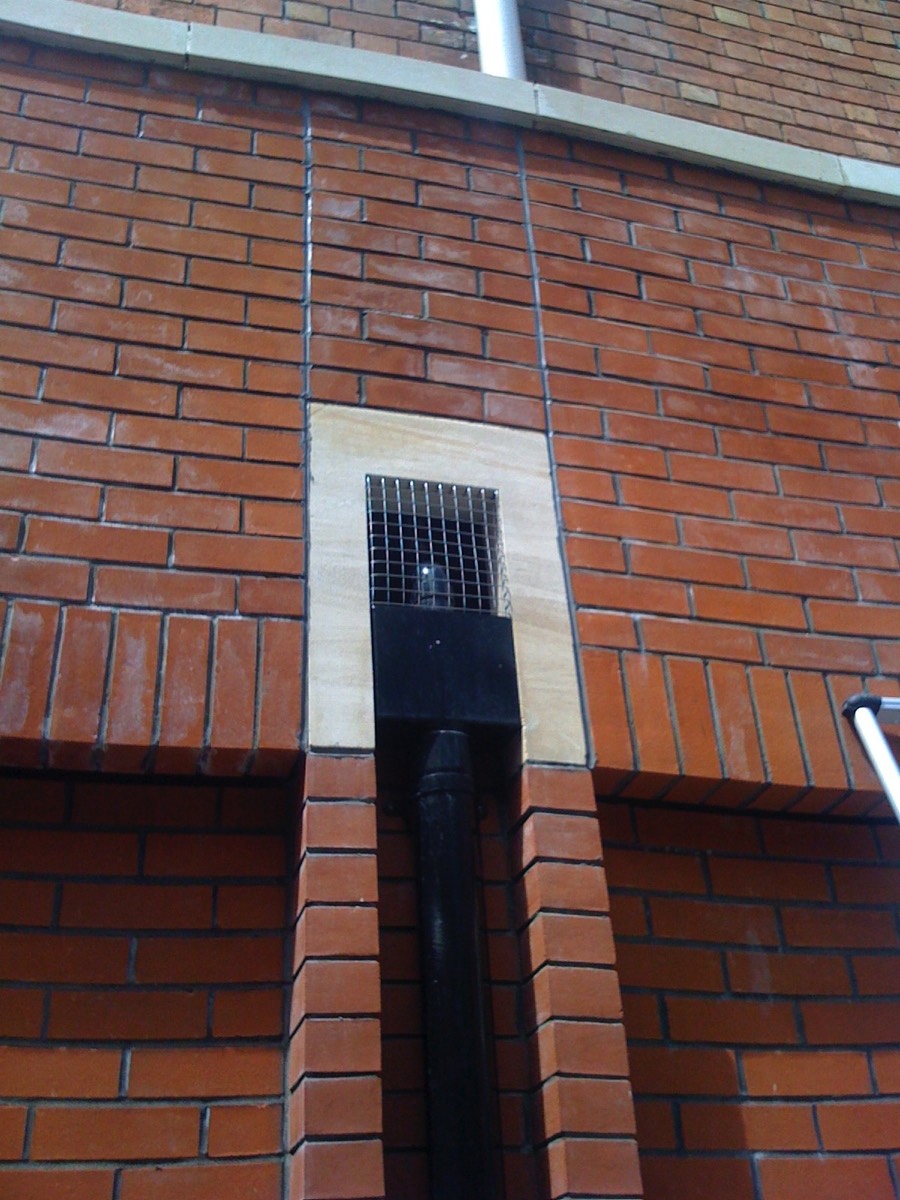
[[442, 637]]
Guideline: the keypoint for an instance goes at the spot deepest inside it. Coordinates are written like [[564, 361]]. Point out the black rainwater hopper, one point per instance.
[[445, 695]]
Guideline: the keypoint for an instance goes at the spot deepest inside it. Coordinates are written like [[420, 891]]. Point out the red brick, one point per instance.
[[333, 878], [12, 1131], [27, 902], [340, 1106], [231, 959], [279, 691], [581, 1047], [876, 976], [207, 1072], [575, 1164], [340, 776], [330, 931], [208, 854], [130, 1015], [339, 1170], [136, 906], [27, 675], [183, 691], [585, 1106], [858, 1126], [109, 392], [785, 975], [567, 938], [250, 907], [867, 885], [827, 1177], [851, 1023], [692, 713], [748, 924], [831, 928], [172, 509], [766, 879], [695, 468], [337, 988], [54, 420], [78, 694], [95, 541], [808, 1073], [32, 576], [339, 826], [105, 463], [669, 967], [670, 1177], [573, 991], [251, 1012], [241, 479], [564, 885], [38, 1183], [209, 1181], [244, 1129], [132, 689], [233, 694], [887, 1071], [232, 552], [37, 958], [557, 836], [58, 1072], [748, 1126], [816, 723], [730, 1021], [22, 1014], [609, 714], [654, 871]]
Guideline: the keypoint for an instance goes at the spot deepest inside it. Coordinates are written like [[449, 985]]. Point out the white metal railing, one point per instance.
[[865, 712]]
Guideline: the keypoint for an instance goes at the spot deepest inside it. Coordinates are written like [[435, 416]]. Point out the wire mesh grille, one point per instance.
[[435, 545]]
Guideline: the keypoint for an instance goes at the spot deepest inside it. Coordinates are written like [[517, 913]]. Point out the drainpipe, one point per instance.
[[458, 1090], [499, 38]]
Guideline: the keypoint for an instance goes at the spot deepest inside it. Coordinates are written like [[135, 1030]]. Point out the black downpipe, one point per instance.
[[458, 1090]]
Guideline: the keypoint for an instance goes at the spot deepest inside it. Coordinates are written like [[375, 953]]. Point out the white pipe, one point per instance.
[[499, 38], [865, 722]]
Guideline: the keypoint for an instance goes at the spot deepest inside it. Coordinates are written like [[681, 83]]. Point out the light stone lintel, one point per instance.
[[345, 71]]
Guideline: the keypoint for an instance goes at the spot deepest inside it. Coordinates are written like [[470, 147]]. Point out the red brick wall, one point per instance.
[[716, 356], [433, 30], [722, 367], [758, 962], [152, 249], [820, 76], [142, 989], [816, 75]]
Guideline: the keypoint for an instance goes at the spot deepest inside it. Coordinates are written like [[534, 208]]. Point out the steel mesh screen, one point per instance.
[[435, 545]]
